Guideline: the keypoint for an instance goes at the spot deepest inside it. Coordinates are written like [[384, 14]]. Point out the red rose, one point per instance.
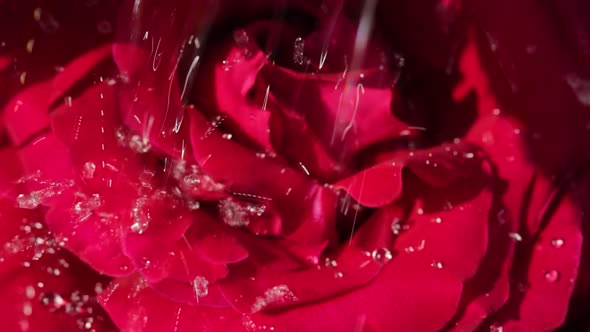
[[293, 166]]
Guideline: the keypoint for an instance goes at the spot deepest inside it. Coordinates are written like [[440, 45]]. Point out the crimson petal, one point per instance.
[[382, 184]]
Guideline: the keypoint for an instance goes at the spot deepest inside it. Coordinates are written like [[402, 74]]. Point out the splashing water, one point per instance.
[[276, 295], [238, 214]]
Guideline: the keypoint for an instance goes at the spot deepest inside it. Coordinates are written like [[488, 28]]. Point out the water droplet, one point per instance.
[[30, 202], [145, 262], [27, 308], [502, 217], [104, 27], [193, 205], [437, 264], [200, 287], [33, 199], [98, 288], [552, 276], [496, 328], [241, 37], [30, 292], [86, 206], [193, 182], [139, 144], [396, 226], [53, 301], [515, 236], [298, 48], [381, 255], [140, 216], [37, 14], [581, 88], [86, 323], [227, 136], [338, 275], [88, 170], [437, 220], [330, 263], [557, 243], [30, 45]]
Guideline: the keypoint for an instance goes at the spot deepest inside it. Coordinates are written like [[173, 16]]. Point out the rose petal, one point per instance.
[[267, 290], [82, 226], [147, 311], [383, 183], [261, 179], [547, 269], [11, 171], [35, 270], [533, 85]]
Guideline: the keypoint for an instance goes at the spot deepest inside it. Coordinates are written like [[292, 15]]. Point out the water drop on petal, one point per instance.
[[381, 255], [552, 276], [396, 226], [298, 47], [557, 243], [437, 264], [496, 328], [88, 170], [515, 236], [200, 287], [53, 301]]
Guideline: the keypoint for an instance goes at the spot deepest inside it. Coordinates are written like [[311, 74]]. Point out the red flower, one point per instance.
[[293, 166]]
